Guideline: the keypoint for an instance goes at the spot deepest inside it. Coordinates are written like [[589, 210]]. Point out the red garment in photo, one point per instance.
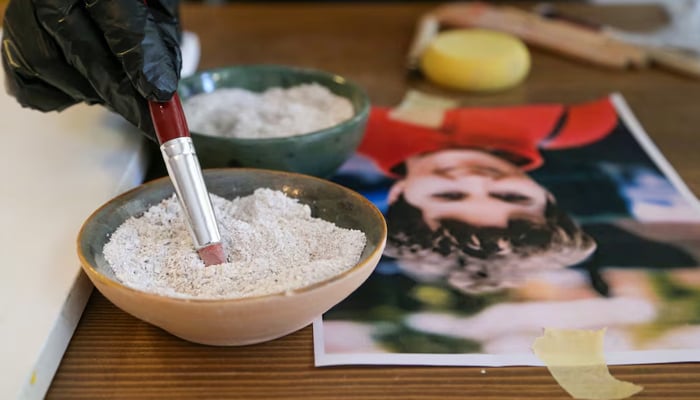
[[520, 131]]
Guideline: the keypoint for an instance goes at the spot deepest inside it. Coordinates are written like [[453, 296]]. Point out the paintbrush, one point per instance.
[[186, 175]]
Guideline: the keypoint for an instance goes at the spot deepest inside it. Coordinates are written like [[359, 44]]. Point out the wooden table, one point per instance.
[[114, 355]]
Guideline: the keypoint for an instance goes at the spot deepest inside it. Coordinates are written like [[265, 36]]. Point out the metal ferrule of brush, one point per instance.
[[185, 173]]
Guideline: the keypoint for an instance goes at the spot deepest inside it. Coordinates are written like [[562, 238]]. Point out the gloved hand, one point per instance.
[[119, 53]]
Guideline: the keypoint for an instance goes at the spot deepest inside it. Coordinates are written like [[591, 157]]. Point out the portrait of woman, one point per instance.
[[462, 208]]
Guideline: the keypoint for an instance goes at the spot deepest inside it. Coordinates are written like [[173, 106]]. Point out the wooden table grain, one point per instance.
[[113, 355]]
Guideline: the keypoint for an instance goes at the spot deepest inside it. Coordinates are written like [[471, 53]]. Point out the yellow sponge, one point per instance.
[[476, 60]]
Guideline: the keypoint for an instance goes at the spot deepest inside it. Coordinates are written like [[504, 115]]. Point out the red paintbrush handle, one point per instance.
[[168, 119]]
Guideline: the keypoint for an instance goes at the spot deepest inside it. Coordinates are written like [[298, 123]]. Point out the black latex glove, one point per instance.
[[119, 53]]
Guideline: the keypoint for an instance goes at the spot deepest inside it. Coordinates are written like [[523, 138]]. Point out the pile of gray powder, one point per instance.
[[276, 112], [273, 243]]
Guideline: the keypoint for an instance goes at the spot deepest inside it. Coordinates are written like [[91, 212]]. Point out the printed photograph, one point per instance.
[[504, 221]]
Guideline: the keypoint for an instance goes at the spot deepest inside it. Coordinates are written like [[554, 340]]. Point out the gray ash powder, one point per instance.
[[276, 112], [273, 243]]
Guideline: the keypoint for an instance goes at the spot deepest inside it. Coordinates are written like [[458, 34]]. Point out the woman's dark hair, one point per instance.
[[476, 259]]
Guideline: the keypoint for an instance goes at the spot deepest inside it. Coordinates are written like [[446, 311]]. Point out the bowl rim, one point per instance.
[[357, 116], [377, 252]]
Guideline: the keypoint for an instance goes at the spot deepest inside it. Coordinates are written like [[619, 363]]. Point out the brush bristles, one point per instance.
[[212, 254]]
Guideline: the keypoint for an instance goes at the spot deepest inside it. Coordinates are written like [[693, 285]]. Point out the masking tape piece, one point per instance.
[[417, 99], [576, 360], [422, 109]]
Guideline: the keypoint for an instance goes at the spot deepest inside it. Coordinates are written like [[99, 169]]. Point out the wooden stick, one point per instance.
[[428, 27], [675, 60]]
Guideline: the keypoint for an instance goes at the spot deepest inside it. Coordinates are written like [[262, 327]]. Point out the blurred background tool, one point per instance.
[[675, 46], [558, 36]]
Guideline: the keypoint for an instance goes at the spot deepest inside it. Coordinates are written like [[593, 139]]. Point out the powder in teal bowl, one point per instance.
[[319, 153]]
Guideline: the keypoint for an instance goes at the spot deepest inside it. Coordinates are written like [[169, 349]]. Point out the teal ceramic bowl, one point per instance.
[[318, 153]]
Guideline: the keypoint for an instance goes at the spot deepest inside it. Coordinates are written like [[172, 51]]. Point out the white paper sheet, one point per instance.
[[56, 168]]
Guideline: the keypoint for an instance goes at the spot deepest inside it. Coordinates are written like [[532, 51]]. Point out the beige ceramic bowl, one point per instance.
[[237, 321]]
